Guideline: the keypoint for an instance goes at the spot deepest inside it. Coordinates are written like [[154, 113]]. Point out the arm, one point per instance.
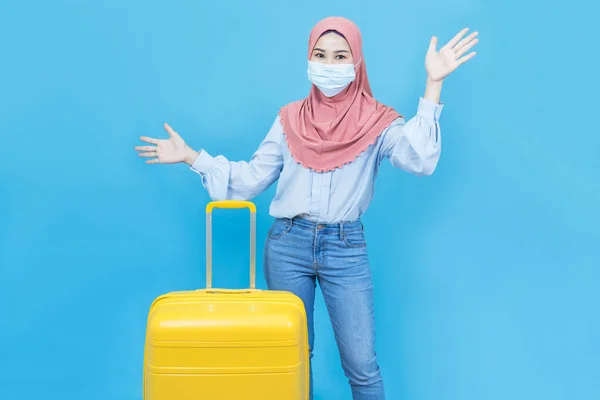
[[241, 180], [414, 146]]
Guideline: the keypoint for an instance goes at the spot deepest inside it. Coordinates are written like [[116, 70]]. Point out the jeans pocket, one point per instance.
[[279, 228], [354, 239]]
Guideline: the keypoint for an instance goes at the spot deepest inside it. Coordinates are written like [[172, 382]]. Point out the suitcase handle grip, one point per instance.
[[229, 291], [231, 204]]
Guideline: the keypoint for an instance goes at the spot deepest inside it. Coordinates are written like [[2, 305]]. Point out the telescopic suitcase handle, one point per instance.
[[231, 204]]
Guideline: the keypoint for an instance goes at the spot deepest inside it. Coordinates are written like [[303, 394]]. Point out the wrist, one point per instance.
[[190, 155], [433, 90], [433, 83]]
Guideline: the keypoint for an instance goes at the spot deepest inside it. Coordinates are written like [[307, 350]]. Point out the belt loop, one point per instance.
[[342, 231]]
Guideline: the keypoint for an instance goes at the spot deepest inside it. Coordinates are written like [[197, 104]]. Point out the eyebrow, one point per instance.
[[337, 51]]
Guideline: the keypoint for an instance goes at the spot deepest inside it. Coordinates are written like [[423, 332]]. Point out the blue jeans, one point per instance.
[[299, 252]]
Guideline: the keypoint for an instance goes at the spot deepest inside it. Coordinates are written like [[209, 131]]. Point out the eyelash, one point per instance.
[[319, 55]]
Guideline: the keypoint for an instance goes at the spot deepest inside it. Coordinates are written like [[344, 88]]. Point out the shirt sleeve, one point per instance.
[[242, 180], [415, 146]]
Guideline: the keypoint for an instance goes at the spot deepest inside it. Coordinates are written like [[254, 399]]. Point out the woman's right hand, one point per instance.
[[167, 151]]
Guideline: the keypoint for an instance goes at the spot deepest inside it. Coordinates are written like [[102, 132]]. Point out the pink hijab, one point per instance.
[[325, 133]]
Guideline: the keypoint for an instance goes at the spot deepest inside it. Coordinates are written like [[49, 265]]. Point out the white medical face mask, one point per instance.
[[331, 79]]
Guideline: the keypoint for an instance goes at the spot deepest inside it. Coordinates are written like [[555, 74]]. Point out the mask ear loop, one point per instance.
[[358, 63]]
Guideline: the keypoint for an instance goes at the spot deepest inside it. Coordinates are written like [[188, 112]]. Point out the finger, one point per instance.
[[466, 48], [146, 148], [149, 140], [432, 44], [466, 58], [153, 161], [170, 130], [148, 154], [465, 41], [456, 38]]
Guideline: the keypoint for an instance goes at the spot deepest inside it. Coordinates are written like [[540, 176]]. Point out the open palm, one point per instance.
[[439, 64], [164, 151]]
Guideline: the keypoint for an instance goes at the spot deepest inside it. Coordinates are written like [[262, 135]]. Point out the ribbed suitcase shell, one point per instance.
[[226, 344]]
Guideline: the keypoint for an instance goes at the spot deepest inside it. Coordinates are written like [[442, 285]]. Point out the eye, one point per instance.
[[319, 55], [340, 57]]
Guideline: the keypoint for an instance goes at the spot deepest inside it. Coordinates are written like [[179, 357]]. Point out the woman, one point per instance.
[[325, 151]]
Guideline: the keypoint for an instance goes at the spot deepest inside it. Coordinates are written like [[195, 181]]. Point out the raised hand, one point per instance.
[[167, 151], [440, 64]]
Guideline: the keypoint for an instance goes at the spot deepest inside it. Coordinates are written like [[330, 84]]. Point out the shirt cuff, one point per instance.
[[429, 110], [203, 162]]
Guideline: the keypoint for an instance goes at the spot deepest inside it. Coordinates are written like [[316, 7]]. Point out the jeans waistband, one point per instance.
[[337, 227]]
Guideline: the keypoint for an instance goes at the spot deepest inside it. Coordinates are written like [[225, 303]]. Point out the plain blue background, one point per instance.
[[486, 273]]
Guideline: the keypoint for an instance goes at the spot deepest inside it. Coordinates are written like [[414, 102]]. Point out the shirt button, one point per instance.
[[320, 227]]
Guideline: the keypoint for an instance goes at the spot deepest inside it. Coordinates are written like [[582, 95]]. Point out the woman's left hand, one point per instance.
[[440, 64]]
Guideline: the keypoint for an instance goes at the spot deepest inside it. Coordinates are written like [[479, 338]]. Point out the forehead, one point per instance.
[[332, 41]]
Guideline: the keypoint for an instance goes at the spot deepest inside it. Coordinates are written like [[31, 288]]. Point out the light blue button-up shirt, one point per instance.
[[329, 197]]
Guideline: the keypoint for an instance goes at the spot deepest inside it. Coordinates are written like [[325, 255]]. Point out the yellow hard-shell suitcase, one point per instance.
[[227, 344]]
